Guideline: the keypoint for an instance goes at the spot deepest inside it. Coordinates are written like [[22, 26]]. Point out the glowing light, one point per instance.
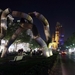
[[70, 50]]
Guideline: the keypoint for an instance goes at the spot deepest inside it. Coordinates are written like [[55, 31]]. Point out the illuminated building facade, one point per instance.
[[57, 32], [58, 37]]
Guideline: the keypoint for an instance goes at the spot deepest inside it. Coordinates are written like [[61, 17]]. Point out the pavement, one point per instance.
[[64, 66], [57, 70]]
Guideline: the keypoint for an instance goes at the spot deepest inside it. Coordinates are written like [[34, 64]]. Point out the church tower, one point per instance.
[[57, 32]]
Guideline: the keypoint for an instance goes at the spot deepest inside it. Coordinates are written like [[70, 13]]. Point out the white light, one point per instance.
[[70, 50], [2, 41], [73, 44]]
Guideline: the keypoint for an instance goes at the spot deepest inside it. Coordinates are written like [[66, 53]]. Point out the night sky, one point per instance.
[[62, 11]]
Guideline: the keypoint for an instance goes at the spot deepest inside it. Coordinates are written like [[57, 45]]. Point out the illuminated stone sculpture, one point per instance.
[[4, 14], [46, 31], [26, 23]]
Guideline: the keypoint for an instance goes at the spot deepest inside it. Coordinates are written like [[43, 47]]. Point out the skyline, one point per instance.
[[54, 11]]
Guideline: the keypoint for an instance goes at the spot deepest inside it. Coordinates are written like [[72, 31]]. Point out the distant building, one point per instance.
[[58, 37]]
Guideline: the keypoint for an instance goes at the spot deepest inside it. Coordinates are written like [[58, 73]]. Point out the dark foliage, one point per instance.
[[35, 65]]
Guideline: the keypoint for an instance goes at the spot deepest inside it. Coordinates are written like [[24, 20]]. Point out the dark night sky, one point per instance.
[[62, 11]]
